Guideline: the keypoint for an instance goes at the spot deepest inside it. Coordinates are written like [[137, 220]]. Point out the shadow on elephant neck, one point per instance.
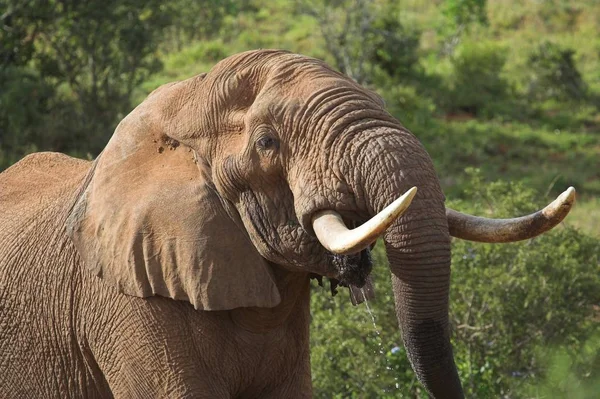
[[294, 289]]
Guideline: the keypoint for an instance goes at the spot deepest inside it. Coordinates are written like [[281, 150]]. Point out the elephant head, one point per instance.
[[261, 163]]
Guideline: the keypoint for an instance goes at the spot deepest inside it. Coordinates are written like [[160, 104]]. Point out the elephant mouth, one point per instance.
[[353, 269], [349, 247]]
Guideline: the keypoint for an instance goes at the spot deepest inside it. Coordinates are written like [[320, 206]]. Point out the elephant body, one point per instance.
[[64, 333]]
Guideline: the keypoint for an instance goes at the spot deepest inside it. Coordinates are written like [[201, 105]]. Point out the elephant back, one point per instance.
[[33, 194]]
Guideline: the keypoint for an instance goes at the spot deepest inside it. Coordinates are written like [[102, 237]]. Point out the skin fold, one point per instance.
[[177, 263]]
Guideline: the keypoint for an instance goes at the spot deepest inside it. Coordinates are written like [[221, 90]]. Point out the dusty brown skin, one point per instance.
[[205, 194]]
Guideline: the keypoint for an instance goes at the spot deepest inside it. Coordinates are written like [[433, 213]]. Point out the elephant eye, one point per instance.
[[267, 143]]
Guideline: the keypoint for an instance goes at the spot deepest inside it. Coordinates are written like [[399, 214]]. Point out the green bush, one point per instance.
[[24, 103], [395, 47], [477, 84], [569, 374], [357, 352], [508, 302], [554, 74], [207, 52], [411, 108]]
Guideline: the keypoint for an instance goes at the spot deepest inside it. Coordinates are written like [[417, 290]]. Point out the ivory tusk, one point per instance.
[[337, 238], [475, 228]]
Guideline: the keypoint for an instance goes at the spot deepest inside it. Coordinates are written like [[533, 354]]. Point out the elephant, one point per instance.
[[178, 262]]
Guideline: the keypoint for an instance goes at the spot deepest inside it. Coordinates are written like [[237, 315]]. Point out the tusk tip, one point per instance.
[[399, 206], [411, 193], [567, 198], [562, 204], [407, 197]]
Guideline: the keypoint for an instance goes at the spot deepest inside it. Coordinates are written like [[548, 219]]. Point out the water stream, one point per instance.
[[382, 351]]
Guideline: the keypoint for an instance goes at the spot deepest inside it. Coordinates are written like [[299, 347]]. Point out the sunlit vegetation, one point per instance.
[[508, 87]]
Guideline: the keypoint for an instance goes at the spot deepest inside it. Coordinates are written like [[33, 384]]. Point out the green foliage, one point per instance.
[[354, 355], [538, 293], [409, 106], [87, 57], [569, 374], [24, 102], [554, 74], [510, 303], [366, 37], [193, 20], [460, 16], [551, 151], [545, 158], [346, 27], [465, 12], [560, 14], [478, 86], [395, 46], [586, 215]]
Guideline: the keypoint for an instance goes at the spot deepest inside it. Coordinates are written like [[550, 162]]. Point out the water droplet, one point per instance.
[[380, 344]]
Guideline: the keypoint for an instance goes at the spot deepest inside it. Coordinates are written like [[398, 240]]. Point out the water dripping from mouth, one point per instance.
[[381, 350]]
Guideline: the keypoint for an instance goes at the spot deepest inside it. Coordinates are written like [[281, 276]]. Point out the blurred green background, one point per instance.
[[505, 95]]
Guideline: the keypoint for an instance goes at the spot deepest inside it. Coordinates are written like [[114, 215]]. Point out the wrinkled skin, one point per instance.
[[205, 194]]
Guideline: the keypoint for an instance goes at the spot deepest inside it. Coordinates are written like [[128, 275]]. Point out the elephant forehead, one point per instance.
[[302, 85], [300, 97], [274, 106]]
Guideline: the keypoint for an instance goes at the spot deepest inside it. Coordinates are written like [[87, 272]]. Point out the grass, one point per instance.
[[548, 160], [586, 215]]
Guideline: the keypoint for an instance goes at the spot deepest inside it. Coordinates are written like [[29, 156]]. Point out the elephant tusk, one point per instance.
[[337, 238], [475, 228]]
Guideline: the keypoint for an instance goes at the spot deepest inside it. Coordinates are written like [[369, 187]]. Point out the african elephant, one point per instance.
[[178, 263]]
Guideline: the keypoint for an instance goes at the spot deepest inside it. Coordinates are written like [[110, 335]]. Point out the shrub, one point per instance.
[[476, 81], [510, 300], [507, 302], [409, 106], [554, 74], [395, 47], [24, 101], [569, 374]]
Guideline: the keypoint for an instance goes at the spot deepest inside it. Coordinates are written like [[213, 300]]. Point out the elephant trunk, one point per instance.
[[418, 250], [419, 255]]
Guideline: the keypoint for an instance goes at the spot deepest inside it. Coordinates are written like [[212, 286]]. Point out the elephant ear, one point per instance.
[[149, 222]]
